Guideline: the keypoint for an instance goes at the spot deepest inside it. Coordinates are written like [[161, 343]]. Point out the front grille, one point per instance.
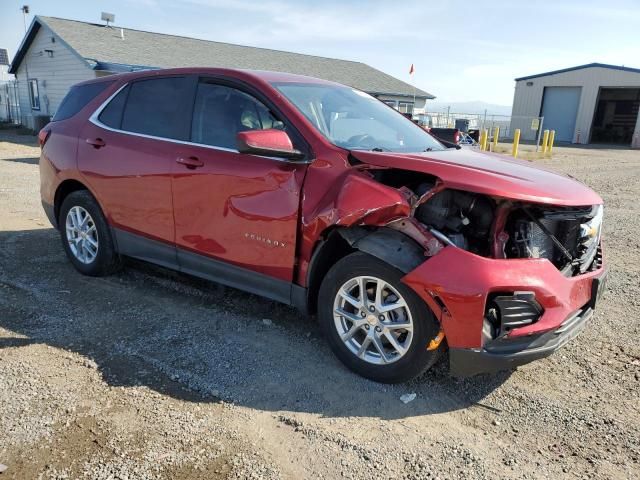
[[597, 261], [568, 237]]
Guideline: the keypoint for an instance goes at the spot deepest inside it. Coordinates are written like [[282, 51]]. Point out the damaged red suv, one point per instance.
[[320, 196]]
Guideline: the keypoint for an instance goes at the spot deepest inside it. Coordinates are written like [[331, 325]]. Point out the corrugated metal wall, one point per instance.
[[527, 100]]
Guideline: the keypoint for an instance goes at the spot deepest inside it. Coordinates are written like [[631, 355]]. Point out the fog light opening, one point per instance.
[[508, 311]]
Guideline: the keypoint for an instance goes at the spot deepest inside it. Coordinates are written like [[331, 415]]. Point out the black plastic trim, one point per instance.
[[160, 253], [143, 248], [390, 246], [505, 354], [234, 276]]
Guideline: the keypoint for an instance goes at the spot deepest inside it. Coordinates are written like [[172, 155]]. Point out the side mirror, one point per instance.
[[269, 143]]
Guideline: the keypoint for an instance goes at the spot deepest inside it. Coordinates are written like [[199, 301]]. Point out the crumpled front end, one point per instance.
[[510, 281], [512, 273], [495, 313]]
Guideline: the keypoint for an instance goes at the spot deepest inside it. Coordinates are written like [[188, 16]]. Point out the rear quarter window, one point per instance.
[[77, 98], [111, 116]]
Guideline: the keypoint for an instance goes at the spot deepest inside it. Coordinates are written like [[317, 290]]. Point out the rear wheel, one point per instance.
[[85, 235], [374, 323]]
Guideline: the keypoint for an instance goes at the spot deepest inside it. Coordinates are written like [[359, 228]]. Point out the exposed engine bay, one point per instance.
[[569, 237], [465, 218]]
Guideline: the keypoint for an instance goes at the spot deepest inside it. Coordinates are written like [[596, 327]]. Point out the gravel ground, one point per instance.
[[152, 374]]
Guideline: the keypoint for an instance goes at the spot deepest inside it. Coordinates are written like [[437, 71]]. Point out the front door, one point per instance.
[[236, 215]]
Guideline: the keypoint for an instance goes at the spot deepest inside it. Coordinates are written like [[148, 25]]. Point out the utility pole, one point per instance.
[[25, 12]]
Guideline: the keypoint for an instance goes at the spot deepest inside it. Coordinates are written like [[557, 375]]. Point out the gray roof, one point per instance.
[[580, 67], [104, 46]]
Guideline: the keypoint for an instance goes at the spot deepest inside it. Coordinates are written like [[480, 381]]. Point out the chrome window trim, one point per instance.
[[94, 119]]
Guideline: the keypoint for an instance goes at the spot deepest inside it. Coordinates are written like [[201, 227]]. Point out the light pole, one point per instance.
[[25, 12]]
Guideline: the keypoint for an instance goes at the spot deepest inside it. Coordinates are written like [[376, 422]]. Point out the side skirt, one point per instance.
[[142, 248]]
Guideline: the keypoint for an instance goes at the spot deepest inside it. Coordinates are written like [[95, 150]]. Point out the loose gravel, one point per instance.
[[152, 374]]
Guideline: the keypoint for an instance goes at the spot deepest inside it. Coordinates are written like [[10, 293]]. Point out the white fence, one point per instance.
[[9, 103]]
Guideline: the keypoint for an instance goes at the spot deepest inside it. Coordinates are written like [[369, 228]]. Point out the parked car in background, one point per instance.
[[317, 195]]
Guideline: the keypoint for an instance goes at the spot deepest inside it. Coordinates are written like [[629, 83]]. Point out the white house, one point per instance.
[[56, 53]]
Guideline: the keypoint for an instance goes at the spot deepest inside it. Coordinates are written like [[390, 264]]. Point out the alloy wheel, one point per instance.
[[82, 235], [373, 320]]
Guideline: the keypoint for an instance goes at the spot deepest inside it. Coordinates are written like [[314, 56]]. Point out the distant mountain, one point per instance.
[[468, 107]]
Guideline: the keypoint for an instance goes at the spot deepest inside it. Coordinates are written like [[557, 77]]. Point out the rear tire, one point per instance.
[[86, 237], [393, 321]]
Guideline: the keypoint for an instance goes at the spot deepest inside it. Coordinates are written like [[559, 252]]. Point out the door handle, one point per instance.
[[190, 162], [96, 142]]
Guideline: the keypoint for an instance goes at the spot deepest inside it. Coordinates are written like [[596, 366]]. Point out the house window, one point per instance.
[[391, 103], [34, 94], [405, 107]]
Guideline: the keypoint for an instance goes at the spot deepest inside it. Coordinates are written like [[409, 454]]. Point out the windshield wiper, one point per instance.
[[428, 149], [378, 149]]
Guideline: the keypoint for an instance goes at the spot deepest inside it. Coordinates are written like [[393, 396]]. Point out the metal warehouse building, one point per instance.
[[594, 103]]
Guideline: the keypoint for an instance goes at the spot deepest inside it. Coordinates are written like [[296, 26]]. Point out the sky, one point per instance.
[[460, 53]]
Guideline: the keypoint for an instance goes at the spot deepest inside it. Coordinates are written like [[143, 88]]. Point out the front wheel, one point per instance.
[[374, 323]]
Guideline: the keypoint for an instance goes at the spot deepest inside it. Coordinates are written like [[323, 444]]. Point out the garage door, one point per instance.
[[559, 109]]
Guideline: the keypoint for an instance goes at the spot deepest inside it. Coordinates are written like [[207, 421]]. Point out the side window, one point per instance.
[[77, 98], [159, 107], [220, 112], [111, 115]]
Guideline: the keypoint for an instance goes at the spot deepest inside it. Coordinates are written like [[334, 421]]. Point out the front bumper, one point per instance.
[[456, 285], [505, 355]]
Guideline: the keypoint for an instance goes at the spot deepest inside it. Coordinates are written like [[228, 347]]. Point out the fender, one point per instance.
[[355, 199]]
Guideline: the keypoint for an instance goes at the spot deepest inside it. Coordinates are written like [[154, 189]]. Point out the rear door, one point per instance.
[[236, 208], [127, 152]]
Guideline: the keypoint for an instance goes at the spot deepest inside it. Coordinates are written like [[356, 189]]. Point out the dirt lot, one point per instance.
[[151, 374]]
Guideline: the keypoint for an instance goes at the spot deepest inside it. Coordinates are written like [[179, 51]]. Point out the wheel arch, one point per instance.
[[391, 246], [65, 188]]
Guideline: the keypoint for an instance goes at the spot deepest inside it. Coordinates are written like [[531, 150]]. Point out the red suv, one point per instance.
[[318, 195]]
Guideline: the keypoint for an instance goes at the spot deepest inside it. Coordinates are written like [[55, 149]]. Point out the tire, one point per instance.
[[96, 261], [396, 365]]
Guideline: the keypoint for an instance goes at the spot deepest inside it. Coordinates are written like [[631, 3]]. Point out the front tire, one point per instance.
[[382, 335], [86, 237]]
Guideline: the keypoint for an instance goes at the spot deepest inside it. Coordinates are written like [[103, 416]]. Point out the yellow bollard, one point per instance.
[[545, 141], [496, 134], [516, 141], [482, 139], [486, 139], [552, 137]]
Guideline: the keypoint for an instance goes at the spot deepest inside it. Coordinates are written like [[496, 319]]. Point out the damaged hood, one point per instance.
[[489, 174]]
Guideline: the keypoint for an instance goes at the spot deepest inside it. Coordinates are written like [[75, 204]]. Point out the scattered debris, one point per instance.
[[408, 397]]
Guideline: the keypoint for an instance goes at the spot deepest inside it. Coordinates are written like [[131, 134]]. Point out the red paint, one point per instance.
[[266, 141], [131, 177], [464, 280], [269, 215], [236, 207], [491, 174]]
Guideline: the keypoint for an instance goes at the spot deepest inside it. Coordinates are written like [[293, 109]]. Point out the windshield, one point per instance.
[[354, 120]]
